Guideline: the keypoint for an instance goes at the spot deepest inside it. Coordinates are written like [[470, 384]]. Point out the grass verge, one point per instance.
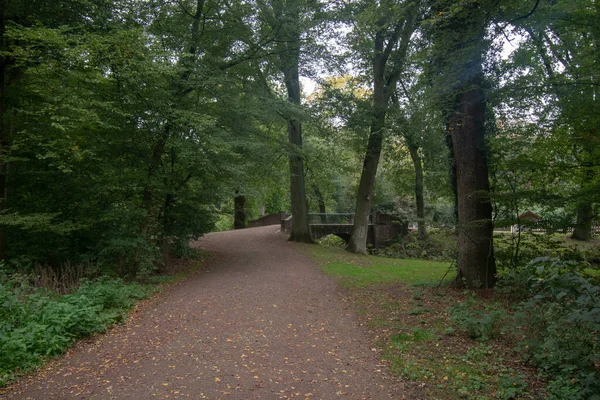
[[413, 323]]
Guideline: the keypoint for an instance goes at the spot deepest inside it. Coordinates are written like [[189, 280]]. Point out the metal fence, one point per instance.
[[333, 218]]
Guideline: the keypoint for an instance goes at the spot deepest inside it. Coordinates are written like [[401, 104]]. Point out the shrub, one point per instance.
[[482, 323], [562, 322], [534, 245], [438, 246], [331, 241], [37, 323]]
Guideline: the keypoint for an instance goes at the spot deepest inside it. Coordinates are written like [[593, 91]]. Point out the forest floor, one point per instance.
[[260, 321]]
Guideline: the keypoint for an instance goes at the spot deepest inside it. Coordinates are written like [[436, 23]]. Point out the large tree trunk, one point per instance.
[[416, 159], [290, 60], [476, 265], [239, 202], [300, 229], [383, 86], [583, 227], [3, 125], [458, 57], [360, 229]]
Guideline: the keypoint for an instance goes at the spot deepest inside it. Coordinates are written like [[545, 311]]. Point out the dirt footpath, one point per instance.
[[262, 322]]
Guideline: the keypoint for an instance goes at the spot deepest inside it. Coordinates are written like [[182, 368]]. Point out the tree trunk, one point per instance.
[[476, 265], [383, 87], [452, 175], [239, 202], [321, 202], [583, 227], [458, 56], [360, 229], [3, 125], [300, 229], [290, 60], [416, 158]]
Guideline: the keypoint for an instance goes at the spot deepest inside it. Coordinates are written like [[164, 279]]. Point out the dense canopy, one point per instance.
[[129, 128]]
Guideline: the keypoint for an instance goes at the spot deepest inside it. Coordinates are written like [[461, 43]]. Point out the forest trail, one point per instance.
[[261, 322]]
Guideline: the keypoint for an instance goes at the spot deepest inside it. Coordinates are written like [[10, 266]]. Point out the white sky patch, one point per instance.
[[510, 43], [307, 85]]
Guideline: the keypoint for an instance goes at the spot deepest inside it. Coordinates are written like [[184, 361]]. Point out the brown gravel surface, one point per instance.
[[260, 322]]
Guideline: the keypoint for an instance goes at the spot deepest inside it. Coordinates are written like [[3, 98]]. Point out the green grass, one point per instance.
[[400, 303], [361, 271]]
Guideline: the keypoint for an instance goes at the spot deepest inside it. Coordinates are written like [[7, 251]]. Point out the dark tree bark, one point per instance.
[[239, 202], [585, 209], [321, 203], [300, 228], [290, 60], [383, 86], [459, 42], [452, 174], [583, 227], [476, 263], [3, 123], [418, 164]]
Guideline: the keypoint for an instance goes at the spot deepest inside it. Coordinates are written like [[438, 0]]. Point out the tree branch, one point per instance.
[[529, 14]]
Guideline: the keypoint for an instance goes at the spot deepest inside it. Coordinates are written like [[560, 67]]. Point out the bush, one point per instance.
[[331, 241], [438, 246], [562, 322], [37, 323], [534, 245], [482, 323]]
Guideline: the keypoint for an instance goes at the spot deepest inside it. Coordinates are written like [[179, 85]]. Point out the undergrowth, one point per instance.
[[536, 334], [37, 324]]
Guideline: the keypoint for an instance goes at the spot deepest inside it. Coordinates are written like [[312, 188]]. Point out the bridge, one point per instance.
[[382, 227]]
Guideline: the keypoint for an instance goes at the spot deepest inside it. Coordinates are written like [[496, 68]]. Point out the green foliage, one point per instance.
[[533, 245], [511, 387], [36, 324], [119, 143], [562, 320], [440, 245], [482, 323], [331, 241], [558, 323]]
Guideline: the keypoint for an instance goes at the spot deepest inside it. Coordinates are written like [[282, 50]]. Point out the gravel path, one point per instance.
[[262, 322]]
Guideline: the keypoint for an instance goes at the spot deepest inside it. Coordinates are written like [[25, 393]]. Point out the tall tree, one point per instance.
[[394, 23], [3, 124], [411, 122], [286, 18], [568, 55], [137, 121], [458, 35]]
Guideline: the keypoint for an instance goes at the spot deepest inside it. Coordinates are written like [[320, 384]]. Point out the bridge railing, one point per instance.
[[333, 218]]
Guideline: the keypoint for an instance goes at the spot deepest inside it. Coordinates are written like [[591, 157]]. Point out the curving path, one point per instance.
[[262, 322]]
